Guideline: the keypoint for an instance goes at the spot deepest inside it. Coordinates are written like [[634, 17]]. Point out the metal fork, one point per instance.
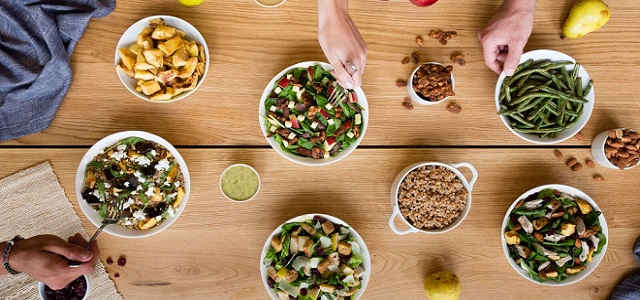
[[114, 214], [338, 95]]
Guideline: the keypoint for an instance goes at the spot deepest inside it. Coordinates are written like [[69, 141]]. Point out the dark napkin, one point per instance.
[[629, 288], [36, 42]]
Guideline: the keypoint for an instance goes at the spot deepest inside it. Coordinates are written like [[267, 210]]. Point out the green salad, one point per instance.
[[553, 236], [314, 259], [302, 121]]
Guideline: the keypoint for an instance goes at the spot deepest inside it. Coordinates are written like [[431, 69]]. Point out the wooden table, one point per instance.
[[213, 250]]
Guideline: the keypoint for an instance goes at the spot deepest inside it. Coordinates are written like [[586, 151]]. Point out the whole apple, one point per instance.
[[423, 2]]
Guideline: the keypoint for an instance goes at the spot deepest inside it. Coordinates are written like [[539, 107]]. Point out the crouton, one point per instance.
[[153, 57], [171, 45], [276, 244], [157, 22], [293, 245], [344, 248], [282, 295], [328, 227], [150, 87], [163, 32], [323, 266], [567, 229], [345, 269], [192, 49], [143, 75], [584, 206], [189, 68], [307, 248], [310, 230], [271, 271], [327, 288], [124, 69], [291, 276], [180, 57], [143, 35], [127, 57], [166, 76]]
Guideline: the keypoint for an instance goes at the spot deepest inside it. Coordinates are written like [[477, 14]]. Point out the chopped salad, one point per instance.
[[143, 174], [302, 121], [553, 236], [315, 259]]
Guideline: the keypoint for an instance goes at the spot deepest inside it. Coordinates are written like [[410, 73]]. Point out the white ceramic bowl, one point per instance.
[[87, 278], [271, 5], [587, 108], [571, 191], [131, 34], [597, 150], [395, 187], [237, 165], [417, 98], [366, 264], [118, 230], [308, 161]]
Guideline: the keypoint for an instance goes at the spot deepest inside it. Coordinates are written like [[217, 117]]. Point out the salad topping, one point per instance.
[[302, 121], [314, 259], [142, 173], [553, 235]]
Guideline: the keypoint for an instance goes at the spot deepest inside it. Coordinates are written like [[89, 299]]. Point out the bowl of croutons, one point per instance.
[[162, 59]]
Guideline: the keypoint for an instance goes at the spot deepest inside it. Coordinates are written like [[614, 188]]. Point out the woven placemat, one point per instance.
[[32, 202]]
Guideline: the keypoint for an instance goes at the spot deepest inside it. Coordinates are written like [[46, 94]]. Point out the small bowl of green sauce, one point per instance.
[[239, 183]]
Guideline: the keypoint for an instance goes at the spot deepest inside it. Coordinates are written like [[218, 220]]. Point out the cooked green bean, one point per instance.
[[587, 90]]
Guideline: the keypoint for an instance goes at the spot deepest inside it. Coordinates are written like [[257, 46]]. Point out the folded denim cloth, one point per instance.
[[36, 42], [629, 288]]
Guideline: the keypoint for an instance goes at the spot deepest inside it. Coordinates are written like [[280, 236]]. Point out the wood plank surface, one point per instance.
[[213, 250], [250, 44]]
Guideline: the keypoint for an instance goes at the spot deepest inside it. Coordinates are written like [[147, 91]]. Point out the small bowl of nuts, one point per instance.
[[431, 83], [431, 197], [617, 148]]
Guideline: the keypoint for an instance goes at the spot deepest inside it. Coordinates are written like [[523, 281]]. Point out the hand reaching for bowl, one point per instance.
[[503, 38], [341, 42], [45, 258]]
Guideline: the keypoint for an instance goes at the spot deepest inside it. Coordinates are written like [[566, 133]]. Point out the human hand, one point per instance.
[[503, 38], [46, 257], [341, 42]]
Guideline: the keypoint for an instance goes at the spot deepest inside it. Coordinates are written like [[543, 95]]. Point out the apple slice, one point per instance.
[[324, 113], [353, 97], [294, 121], [330, 90], [284, 82], [329, 143], [311, 72]]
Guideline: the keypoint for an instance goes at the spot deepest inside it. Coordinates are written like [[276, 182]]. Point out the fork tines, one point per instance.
[[337, 96]]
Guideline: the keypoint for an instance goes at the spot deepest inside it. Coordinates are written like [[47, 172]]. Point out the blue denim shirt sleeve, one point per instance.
[[629, 288], [37, 39]]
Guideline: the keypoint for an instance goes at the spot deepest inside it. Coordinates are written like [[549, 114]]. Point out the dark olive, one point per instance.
[[133, 184], [144, 147], [154, 211], [149, 170], [303, 77]]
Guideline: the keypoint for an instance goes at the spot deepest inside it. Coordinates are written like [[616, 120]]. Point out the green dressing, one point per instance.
[[239, 183]]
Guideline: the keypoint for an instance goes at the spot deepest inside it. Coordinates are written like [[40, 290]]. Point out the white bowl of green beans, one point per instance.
[[549, 98]]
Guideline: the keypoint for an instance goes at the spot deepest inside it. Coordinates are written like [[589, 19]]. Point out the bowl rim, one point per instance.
[[87, 293], [414, 95], [238, 165], [196, 36], [307, 161], [358, 238], [270, 6], [92, 215], [574, 192], [553, 55], [468, 185]]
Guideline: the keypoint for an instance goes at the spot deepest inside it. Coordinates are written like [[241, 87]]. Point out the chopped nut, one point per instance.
[[572, 162], [577, 167], [401, 83], [420, 41], [578, 135], [454, 108], [415, 57], [590, 163], [459, 59], [598, 177], [405, 60], [407, 103], [539, 237]]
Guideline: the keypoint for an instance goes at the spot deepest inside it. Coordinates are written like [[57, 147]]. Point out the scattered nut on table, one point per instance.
[[454, 108], [558, 154], [401, 83], [598, 177], [442, 36], [459, 59], [572, 162], [577, 167], [590, 163], [415, 57], [420, 41], [407, 103], [578, 135], [405, 60]]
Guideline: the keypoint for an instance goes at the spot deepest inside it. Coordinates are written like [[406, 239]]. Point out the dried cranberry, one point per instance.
[[345, 258], [337, 227], [552, 231], [116, 275], [122, 261], [319, 219], [270, 282], [303, 292], [315, 271], [339, 287], [291, 297], [109, 260], [533, 196], [314, 286], [590, 244], [75, 290], [343, 277]]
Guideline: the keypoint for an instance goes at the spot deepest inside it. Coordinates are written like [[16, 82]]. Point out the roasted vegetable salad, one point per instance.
[[300, 118], [315, 259], [553, 236], [143, 174]]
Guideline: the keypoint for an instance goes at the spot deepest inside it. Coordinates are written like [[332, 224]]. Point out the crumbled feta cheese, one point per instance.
[[139, 215], [166, 183], [329, 106], [134, 192], [127, 222], [107, 185], [314, 124], [158, 218], [291, 104], [126, 184], [140, 177], [285, 143], [116, 193], [171, 211], [178, 183], [295, 88], [358, 119], [350, 134], [150, 192], [330, 122], [127, 204], [101, 151], [122, 147], [153, 153], [273, 108], [291, 135], [273, 128], [162, 165], [288, 124], [142, 160], [139, 188], [118, 155], [278, 90], [172, 195], [301, 118]]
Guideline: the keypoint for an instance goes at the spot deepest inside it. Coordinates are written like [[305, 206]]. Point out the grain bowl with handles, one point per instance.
[[431, 197]]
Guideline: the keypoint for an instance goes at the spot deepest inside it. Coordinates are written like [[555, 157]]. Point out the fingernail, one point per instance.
[[85, 254], [349, 85]]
